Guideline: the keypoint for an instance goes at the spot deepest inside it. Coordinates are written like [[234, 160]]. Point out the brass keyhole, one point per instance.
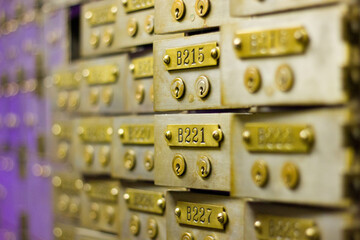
[[202, 7], [177, 88], [252, 79], [202, 85], [179, 165], [178, 10], [260, 173], [284, 78], [204, 166]]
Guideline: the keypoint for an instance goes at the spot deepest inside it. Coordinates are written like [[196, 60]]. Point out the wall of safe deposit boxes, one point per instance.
[[179, 119]]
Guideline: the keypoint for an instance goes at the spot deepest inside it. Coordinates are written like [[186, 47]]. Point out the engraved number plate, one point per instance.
[[95, 133], [201, 215], [138, 134], [145, 201], [274, 227], [101, 74], [280, 138], [101, 15], [273, 42], [207, 135], [103, 190], [143, 67], [194, 56], [135, 5]]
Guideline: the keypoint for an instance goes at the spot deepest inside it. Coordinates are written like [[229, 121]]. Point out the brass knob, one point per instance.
[[132, 27], [202, 86], [177, 88], [260, 173], [179, 165], [134, 225], [204, 167], [152, 228], [252, 79], [130, 160], [202, 7], [178, 9]]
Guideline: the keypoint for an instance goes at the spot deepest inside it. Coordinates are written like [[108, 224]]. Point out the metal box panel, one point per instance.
[[92, 145], [286, 71], [267, 221], [296, 156], [192, 15], [99, 33], [142, 211], [100, 205], [133, 148], [188, 225], [186, 87], [241, 8], [140, 94], [67, 205], [104, 85], [181, 165]]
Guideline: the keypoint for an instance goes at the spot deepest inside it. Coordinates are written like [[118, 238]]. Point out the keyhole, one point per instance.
[[202, 170], [251, 82], [177, 168], [201, 90], [177, 12], [201, 9], [177, 91], [258, 176]]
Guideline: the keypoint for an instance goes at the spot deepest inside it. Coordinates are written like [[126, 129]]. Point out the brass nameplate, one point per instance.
[[66, 80], [136, 5], [206, 135], [143, 67], [101, 15], [278, 138], [272, 42], [137, 134], [274, 227], [145, 201], [95, 133], [201, 215], [102, 74], [194, 56], [68, 183], [107, 191]]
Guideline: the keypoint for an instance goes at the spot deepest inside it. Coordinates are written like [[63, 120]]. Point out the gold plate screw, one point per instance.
[[166, 59]]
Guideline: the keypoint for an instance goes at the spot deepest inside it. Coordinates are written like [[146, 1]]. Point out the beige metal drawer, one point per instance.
[[190, 15], [241, 8], [100, 210], [142, 211], [65, 90], [133, 148], [105, 83], [192, 216], [296, 58], [194, 150], [306, 157], [66, 197], [276, 221], [140, 93], [187, 74], [98, 25], [92, 145]]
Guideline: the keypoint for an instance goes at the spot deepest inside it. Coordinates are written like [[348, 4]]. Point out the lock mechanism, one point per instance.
[[204, 166], [179, 165], [178, 10], [177, 88]]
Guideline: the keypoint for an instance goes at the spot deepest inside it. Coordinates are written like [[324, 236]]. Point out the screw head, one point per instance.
[[166, 59], [88, 15], [217, 135], [222, 217], [306, 135], [126, 197], [132, 67], [237, 43], [124, 2], [161, 203], [114, 191], [215, 53], [168, 134], [121, 132], [312, 233], [258, 225], [177, 212], [114, 9], [246, 135], [56, 181]]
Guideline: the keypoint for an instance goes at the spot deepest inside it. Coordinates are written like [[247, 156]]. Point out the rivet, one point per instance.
[[161, 203], [168, 135], [312, 233], [166, 59], [215, 53], [222, 217], [246, 135], [121, 132], [126, 197], [177, 212], [114, 191], [217, 135], [237, 43], [132, 67], [258, 226]]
